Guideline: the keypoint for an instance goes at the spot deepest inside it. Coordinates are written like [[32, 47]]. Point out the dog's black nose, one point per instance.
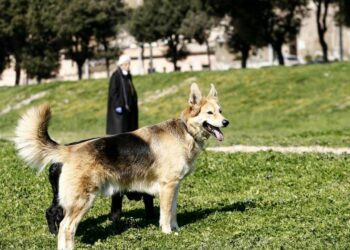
[[225, 123]]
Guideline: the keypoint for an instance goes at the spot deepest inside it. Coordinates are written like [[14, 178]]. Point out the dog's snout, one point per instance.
[[225, 123]]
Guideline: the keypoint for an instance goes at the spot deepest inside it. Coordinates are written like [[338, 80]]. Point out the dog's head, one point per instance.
[[204, 116]]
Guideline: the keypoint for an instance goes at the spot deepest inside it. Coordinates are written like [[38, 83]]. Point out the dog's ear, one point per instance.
[[213, 93], [195, 96]]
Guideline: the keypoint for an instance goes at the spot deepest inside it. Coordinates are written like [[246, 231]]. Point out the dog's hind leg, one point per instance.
[[149, 206], [73, 215], [116, 209], [54, 214], [167, 195]]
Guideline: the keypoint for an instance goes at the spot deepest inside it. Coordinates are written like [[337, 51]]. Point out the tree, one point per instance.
[[41, 56], [321, 20], [111, 14], [237, 44], [142, 25], [197, 25], [170, 17], [4, 53], [165, 24], [14, 29], [75, 27], [344, 12], [247, 28], [261, 22], [282, 22]]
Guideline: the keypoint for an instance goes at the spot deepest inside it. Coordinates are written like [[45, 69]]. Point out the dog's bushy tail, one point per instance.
[[32, 140]]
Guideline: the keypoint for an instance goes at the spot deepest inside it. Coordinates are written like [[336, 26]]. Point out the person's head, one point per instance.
[[124, 62]]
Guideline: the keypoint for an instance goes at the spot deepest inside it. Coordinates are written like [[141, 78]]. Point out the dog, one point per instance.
[[153, 159], [54, 214]]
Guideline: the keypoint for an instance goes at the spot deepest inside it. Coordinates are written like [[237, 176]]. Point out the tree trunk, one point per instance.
[[175, 63], [173, 52], [174, 56], [105, 46], [150, 58], [18, 71], [143, 57], [107, 67], [324, 48], [208, 53], [341, 51], [245, 55], [80, 70], [322, 25], [277, 47]]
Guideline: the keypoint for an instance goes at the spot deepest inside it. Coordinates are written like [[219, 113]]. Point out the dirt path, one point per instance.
[[291, 149], [154, 95], [23, 102]]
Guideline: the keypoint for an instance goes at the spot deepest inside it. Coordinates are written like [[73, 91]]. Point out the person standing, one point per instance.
[[122, 113], [122, 116]]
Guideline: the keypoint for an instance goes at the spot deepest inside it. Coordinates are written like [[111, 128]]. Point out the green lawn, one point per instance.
[[232, 201], [306, 105]]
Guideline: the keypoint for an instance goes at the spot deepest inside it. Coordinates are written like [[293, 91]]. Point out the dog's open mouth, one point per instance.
[[215, 131]]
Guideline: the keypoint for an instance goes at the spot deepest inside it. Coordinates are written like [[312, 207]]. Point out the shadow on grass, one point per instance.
[[92, 229]]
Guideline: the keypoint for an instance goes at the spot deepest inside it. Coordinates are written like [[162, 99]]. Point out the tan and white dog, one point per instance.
[[153, 159]]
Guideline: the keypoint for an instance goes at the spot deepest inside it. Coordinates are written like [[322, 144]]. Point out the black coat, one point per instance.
[[121, 94]]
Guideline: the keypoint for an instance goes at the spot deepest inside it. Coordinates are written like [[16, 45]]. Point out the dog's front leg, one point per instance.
[[174, 225], [167, 195]]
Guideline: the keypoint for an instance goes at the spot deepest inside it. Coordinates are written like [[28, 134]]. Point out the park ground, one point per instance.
[[232, 201]]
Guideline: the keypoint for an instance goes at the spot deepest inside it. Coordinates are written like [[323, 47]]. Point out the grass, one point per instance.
[[232, 201], [306, 105]]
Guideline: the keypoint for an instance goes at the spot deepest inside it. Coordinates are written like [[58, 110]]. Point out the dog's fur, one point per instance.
[[55, 214], [153, 159]]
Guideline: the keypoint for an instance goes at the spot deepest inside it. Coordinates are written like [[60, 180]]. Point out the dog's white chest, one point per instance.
[[150, 188]]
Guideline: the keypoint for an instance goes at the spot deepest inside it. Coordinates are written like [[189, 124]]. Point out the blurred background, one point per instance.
[[54, 40]]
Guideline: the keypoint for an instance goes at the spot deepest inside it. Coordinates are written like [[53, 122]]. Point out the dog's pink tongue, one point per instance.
[[218, 135]]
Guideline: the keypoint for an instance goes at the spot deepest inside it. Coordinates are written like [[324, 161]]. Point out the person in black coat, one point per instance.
[[122, 112], [122, 116]]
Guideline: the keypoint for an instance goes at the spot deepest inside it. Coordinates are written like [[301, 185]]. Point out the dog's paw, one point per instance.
[[166, 229], [115, 217], [175, 226]]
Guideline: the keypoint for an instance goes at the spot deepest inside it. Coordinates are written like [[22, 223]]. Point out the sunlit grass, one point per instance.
[[304, 105], [232, 201]]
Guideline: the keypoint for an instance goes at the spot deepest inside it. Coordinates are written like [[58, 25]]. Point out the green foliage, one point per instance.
[[4, 53], [82, 21], [267, 22], [143, 22], [14, 29], [41, 55], [162, 20], [231, 201], [343, 13], [246, 28], [170, 17], [198, 25], [110, 16], [283, 22]]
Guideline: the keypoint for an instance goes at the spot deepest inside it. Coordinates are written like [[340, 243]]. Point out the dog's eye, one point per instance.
[[220, 111], [210, 113]]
